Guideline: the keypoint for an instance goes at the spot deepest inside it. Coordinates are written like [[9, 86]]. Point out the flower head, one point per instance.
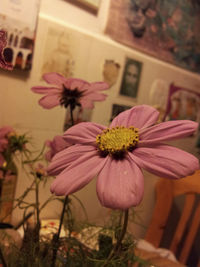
[[69, 92], [3, 43], [40, 171], [117, 154], [4, 133], [56, 145]]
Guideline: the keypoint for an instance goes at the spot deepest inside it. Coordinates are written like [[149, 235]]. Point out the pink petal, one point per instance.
[[78, 84], [56, 145], [138, 116], [94, 96], [59, 143], [79, 174], [167, 131], [49, 101], [54, 78], [86, 103], [165, 161], [66, 157], [120, 184], [83, 133], [45, 90], [99, 86]]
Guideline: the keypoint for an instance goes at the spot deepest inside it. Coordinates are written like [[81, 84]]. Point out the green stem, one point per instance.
[[37, 200], [117, 247], [71, 114], [57, 236], [37, 227]]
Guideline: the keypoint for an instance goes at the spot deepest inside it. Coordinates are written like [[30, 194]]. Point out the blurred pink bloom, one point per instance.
[[117, 154], [4, 131], [69, 92], [56, 145], [3, 43]]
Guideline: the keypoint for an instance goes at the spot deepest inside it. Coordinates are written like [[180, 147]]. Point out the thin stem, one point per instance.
[[71, 114], [37, 228], [57, 236], [2, 259], [119, 241], [37, 200], [123, 232]]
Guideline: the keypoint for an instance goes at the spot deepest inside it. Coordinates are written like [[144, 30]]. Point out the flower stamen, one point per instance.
[[118, 140]]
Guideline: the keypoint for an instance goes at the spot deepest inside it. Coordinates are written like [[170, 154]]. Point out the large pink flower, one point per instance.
[[117, 154], [69, 92], [3, 43], [55, 146]]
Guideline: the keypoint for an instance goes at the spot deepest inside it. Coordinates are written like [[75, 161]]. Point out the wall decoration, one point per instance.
[[89, 5], [110, 72], [183, 104], [168, 30], [116, 109], [131, 78], [18, 19], [158, 96], [58, 54]]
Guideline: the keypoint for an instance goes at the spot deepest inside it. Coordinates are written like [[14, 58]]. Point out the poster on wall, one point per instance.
[[110, 72], [131, 78], [183, 104], [59, 52], [18, 19], [167, 30]]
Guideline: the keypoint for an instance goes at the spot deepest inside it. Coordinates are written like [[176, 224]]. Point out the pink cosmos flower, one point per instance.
[[117, 154], [3, 43], [70, 91], [56, 145], [4, 131]]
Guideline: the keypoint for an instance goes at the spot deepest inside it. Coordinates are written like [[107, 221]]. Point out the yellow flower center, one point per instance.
[[117, 140]]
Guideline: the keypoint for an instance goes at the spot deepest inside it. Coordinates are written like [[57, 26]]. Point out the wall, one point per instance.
[[19, 106]]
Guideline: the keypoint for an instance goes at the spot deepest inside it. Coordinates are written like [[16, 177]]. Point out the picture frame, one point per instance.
[[131, 77], [89, 5], [19, 20], [117, 109], [182, 104], [171, 27]]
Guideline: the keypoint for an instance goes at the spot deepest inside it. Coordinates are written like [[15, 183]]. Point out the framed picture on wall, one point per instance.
[[167, 30], [89, 5], [19, 19], [116, 109], [131, 77]]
